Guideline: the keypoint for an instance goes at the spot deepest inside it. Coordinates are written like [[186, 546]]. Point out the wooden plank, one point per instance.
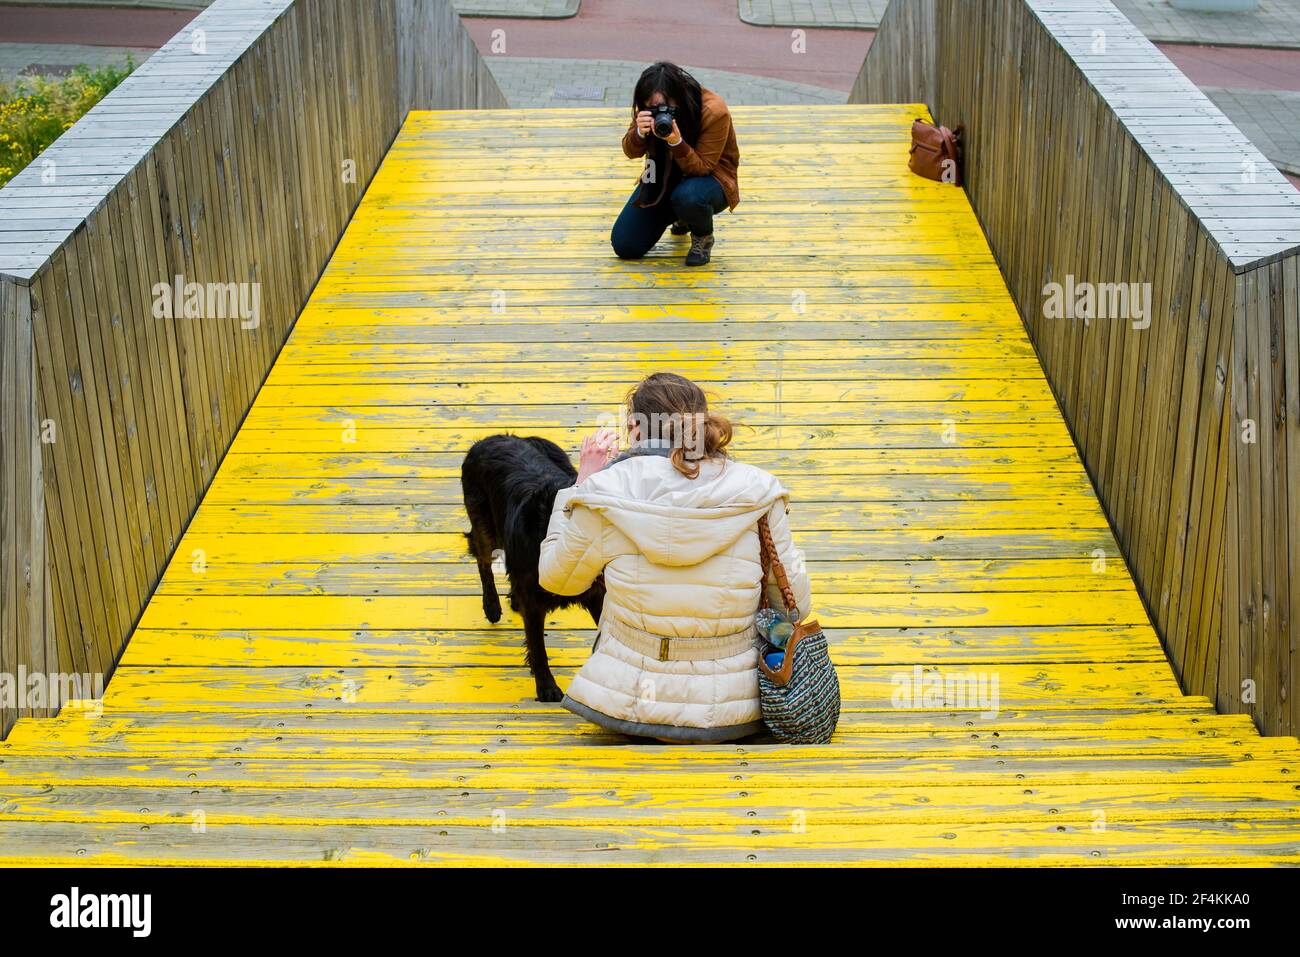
[[428, 648], [845, 543], [828, 577], [364, 441], [1069, 514], [82, 534], [865, 687], [650, 767], [856, 610], [117, 738], [915, 486], [660, 808], [1290, 306], [1040, 844], [1194, 716], [17, 415], [428, 466]]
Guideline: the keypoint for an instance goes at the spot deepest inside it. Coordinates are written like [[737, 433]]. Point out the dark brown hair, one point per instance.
[[677, 86], [672, 407]]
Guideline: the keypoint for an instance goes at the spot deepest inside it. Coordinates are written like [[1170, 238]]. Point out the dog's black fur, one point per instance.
[[510, 483]]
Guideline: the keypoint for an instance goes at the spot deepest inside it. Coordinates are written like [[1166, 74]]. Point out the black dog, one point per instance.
[[510, 484]]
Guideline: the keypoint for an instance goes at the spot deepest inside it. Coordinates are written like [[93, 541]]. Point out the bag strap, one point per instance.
[[949, 143], [772, 564]]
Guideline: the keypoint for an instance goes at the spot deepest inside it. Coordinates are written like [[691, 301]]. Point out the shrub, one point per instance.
[[34, 111]]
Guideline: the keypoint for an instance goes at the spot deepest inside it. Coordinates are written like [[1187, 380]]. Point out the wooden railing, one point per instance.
[[1090, 159], [152, 262]]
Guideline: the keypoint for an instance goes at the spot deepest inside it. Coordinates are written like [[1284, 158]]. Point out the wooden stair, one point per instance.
[[314, 682]]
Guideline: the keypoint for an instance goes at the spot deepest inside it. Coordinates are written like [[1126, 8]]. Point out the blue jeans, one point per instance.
[[694, 201]]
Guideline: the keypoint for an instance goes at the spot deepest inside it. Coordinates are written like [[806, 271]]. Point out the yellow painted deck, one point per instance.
[[314, 681]]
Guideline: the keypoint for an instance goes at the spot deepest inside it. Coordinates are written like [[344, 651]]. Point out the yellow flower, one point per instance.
[[34, 111]]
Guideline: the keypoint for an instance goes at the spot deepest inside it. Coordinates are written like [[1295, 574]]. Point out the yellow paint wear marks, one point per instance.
[[347, 436], [450, 321], [387, 612], [315, 671], [813, 516], [526, 394], [853, 463], [93, 741], [864, 687], [856, 544], [663, 807], [339, 648], [915, 487], [828, 578]]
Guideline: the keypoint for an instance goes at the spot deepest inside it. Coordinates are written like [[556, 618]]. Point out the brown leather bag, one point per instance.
[[936, 152], [773, 567], [800, 700]]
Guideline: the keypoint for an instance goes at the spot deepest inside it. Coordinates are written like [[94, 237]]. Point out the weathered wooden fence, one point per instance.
[[151, 264], [1093, 162]]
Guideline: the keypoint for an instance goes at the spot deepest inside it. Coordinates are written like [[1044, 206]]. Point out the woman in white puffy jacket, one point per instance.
[[672, 523]]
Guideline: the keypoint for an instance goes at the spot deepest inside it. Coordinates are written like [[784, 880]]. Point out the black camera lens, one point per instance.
[[663, 120]]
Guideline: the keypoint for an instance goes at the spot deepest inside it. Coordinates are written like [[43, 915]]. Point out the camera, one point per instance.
[[663, 115]]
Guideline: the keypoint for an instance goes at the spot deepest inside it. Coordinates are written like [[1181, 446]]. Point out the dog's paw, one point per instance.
[[549, 692], [492, 610]]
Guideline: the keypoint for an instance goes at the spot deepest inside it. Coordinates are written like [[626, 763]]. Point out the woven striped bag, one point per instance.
[[801, 699]]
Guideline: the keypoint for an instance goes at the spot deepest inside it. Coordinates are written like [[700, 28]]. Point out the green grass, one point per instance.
[[35, 111]]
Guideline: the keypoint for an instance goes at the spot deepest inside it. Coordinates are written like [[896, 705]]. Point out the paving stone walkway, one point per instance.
[[527, 9], [1275, 24], [847, 14], [537, 82], [137, 4], [56, 59], [1269, 118]]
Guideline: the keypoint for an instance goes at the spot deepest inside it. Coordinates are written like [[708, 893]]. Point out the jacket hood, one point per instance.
[[674, 520]]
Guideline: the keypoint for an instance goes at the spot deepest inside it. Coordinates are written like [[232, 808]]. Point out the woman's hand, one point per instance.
[[597, 449], [645, 126]]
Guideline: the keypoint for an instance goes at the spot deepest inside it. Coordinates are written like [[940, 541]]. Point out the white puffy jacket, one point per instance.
[[675, 657]]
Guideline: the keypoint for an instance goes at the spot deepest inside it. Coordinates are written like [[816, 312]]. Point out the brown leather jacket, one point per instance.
[[716, 151]]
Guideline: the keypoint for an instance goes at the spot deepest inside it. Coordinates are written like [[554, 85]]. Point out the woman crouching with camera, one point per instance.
[[686, 136]]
